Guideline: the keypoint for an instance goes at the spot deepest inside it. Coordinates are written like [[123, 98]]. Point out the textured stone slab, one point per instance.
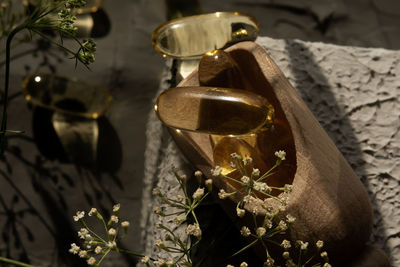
[[354, 93]]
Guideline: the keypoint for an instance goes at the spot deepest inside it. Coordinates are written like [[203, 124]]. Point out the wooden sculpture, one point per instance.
[[328, 199]]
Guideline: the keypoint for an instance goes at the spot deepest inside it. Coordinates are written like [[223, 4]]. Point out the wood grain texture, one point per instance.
[[328, 199]]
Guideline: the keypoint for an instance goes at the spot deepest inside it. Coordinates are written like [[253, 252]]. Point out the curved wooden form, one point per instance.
[[328, 199]]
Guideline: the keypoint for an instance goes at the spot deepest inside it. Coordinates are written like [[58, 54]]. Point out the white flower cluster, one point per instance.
[[93, 244]]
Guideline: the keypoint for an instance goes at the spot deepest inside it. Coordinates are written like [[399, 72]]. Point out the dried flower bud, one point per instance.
[[93, 211], [280, 154], [116, 207], [79, 215], [245, 231], [74, 249], [209, 183], [216, 171], [240, 212], [198, 193], [286, 244], [260, 231], [98, 250], [112, 232], [91, 261]]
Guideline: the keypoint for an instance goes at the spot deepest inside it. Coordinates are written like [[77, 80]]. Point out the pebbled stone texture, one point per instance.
[[354, 93]]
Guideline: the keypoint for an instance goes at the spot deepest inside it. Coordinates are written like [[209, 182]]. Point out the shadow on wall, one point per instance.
[[338, 126]]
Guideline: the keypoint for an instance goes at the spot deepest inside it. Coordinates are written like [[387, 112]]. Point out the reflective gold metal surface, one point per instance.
[[191, 37], [69, 96]]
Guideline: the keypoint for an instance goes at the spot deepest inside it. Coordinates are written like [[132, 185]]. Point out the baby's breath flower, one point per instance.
[[114, 219], [247, 160], [260, 231], [125, 224], [79, 215], [286, 255], [324, 255], [198, 193], [268, 223], [183, 177], [222, 194], [74, 249], [216, 171], [288, 188], [98, 250], [112, 244], [116, 207], [93, 211], [255, 172], [245, 231], [180, 198], [112, 232], [245, 179], [260, 186], [290, 218], [145, 259], [319, 244], [91, 261], [83, 253], [240, 212], [270, 262], [244, 264], [198, 173], [193, 229], [303, 245], [209, 183], [234, 155], [286, 244], [283, 225], [247, 199], [280, 154], [82, 233], [229, 265], [327, 265]]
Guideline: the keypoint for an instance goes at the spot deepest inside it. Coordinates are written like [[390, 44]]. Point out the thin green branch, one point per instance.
[[16, 263]]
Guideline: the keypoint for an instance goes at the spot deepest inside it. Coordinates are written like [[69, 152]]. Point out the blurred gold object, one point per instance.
[[90, 7], [65, 95], [191, 37]]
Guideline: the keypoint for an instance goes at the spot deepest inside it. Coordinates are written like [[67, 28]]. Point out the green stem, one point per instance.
[[16, 263], [3, 126], [102, 258], [265, 175], [134, 254], [246, 247]]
